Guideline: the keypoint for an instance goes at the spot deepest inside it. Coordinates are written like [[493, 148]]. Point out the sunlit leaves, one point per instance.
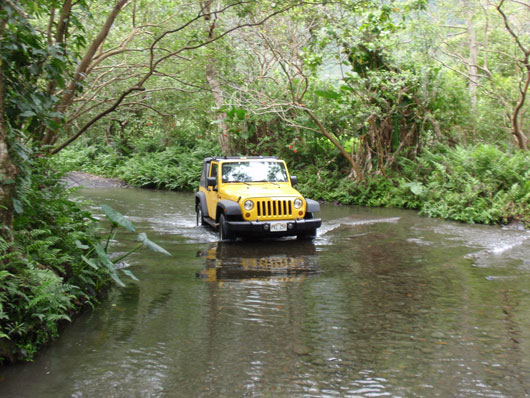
[[118, 219], [142, 237], [329, 94], [28, 64], [415, 187]]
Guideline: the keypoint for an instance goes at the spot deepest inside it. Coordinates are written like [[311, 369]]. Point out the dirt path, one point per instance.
[[80, 179]]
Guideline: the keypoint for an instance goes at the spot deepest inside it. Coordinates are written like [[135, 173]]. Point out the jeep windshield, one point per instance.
[[255, 171]]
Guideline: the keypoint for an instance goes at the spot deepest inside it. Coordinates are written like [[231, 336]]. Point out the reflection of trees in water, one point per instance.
[[132, 307], [412, 309], [253, 315], [122, 319], [393, 299], [383, 314]]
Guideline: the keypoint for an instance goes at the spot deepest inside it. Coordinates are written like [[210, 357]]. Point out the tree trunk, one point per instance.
[[524, 83], [218, 97], [357, 170], [212, 78], [8, 171], [81, 70], [516, 117], [472, 62]]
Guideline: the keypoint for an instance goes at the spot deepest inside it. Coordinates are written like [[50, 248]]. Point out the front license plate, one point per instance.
[[279, 227]]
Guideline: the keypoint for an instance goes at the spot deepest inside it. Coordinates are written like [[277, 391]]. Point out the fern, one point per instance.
[[44, 279]]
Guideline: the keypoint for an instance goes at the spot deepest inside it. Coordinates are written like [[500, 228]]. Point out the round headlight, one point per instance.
[[298, 203], [249, 205]]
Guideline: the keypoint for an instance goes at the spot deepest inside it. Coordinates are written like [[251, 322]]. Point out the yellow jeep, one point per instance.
[[253, 196]]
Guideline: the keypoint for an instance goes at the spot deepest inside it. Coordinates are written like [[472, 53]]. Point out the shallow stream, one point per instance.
[[382, 303]]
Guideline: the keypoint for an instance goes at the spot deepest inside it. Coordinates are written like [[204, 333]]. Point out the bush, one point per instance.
[[480, 184], [43, 278], [176, 167]]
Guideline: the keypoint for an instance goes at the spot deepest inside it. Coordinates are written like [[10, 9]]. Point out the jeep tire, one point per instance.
[[307, 235], [224, 230], [200, 216]]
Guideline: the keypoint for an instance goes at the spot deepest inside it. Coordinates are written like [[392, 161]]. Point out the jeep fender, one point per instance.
[[229, 208], [312, 206], [200, 199]]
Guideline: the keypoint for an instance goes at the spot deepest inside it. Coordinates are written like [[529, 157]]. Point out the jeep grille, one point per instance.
[[274, 208]]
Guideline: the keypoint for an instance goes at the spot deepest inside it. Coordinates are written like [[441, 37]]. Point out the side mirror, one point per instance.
[[294, 180], [212, 181]]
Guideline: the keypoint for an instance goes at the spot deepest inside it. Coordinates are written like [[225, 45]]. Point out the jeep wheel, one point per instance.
[[224, 231], [200, 217]]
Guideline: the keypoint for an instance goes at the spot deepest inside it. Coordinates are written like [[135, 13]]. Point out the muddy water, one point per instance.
[[382, 303]]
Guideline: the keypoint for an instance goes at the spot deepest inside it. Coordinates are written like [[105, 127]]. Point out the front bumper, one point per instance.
[[263, 228]]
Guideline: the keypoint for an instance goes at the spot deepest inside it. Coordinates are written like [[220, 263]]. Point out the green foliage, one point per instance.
[[118, 219], [43, 279], [102, 257], [481, 184], [172, 169], [449, 37], [149, 165], [56, 265], [27, 60]]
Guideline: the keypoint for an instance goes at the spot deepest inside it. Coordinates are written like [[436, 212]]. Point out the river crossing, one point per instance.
[[383, 303]]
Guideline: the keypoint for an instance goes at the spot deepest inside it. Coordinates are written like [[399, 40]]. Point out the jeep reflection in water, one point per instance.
[[253, 196]]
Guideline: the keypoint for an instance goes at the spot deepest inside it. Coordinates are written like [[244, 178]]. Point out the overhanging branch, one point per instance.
[[95, 119]]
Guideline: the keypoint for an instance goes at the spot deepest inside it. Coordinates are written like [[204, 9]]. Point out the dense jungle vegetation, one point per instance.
[[408, 103]]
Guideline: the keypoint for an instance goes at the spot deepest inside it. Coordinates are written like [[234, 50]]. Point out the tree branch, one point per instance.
[[95, 119], [525, 51]]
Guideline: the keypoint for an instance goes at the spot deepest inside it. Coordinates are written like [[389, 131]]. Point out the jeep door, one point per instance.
[[212, 195]]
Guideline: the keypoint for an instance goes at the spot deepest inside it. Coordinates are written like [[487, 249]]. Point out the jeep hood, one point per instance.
[[254, 190]]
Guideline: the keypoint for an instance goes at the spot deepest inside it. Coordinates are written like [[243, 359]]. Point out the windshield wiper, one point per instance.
[[271, 182]]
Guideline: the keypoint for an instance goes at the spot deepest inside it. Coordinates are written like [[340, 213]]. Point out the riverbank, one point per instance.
[[48, 271]]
